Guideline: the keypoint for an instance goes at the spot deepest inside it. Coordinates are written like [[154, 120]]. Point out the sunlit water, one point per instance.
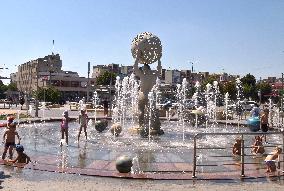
[[42, 143]]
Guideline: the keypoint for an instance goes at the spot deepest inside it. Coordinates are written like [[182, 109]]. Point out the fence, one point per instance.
[[242, 135]]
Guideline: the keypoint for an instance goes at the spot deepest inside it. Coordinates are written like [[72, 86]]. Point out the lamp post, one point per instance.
[[259, 96], [110, 88], [282, 91], [36, 100], [88, 82]]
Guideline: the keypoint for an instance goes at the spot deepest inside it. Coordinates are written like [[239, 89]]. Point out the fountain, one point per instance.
[[181, 97], [95, 100], [146, 49], [226, 107], [199, 112], [178, 154]]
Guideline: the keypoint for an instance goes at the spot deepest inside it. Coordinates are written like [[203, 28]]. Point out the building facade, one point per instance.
[[47, 72]]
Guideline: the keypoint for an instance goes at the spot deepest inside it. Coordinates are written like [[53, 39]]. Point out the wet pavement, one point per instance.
[[168, 157]]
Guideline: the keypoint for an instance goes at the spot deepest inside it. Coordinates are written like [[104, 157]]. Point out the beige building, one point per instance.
[[46, 72], [172, 77], [30, 73], [100, 69]]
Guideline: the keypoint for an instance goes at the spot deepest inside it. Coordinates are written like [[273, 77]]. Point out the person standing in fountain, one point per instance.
[[147, 81], [83, 120], [64, 127], [255, 111], [105, 104], [264, 120]]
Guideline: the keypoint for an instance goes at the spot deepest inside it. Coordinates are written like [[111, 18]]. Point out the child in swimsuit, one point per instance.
[[257, 146], [270, 159], [64, 127], [9, 140], [83, 120], [22, 157], [237, 147], [264, 120], [10, 120]]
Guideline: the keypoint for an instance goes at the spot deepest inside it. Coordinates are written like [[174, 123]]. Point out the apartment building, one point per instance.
[[47, 72]]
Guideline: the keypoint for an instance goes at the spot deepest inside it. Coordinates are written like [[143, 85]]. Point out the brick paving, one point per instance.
[[158, 170]]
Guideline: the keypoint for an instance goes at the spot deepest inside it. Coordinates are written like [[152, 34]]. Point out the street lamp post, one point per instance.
[[282, 91], [259, 96], [36, 100], [88, 82], [110, 88]]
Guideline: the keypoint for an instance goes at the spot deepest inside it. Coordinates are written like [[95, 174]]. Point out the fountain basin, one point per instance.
[[165, 157]]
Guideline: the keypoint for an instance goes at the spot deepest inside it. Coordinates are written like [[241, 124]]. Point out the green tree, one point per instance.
[[106, 78], [248, 79], [249, 84], [230, 87], [12, 87], [49, 94], [209, 80], [3, 89]]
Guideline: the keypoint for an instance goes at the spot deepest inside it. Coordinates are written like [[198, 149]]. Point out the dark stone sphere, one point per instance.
[[124, 164], [100, 126]]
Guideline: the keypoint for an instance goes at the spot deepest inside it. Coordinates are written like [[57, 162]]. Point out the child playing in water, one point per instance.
[[9, 140], [264, 120], [64, 127], [10, 120], [22, 157], [83, 120], [257, 146], [255, 111], [270, 159], [237, 147]]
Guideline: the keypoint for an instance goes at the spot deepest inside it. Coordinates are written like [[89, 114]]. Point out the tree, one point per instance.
[[12, 87], [106, 78], [49, 94], [209, 80], [248, 79], [230, 87], [3, 89], [250, 90]]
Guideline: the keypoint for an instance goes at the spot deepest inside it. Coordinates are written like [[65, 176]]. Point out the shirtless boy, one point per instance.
[[9, 140], [270, 159]]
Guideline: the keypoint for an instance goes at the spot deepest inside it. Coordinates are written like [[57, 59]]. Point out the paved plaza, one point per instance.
[[96, 157]]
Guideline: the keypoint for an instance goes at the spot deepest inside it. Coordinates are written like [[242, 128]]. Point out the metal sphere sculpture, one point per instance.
[[150, 47]]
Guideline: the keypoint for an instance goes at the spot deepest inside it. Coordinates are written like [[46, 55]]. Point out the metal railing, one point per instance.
[[199, 135]]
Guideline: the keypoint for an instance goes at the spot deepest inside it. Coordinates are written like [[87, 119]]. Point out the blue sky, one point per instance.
[[235, 36]]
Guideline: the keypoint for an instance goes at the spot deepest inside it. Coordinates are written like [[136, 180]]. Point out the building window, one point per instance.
[[74, 84]]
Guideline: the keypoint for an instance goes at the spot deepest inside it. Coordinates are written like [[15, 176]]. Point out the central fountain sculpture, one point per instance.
[[146, 49]]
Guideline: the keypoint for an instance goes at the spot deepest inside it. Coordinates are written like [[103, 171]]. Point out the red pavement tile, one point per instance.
[[168, 171], [46, 159], [98, 164], [110, 166], [183, 166]]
